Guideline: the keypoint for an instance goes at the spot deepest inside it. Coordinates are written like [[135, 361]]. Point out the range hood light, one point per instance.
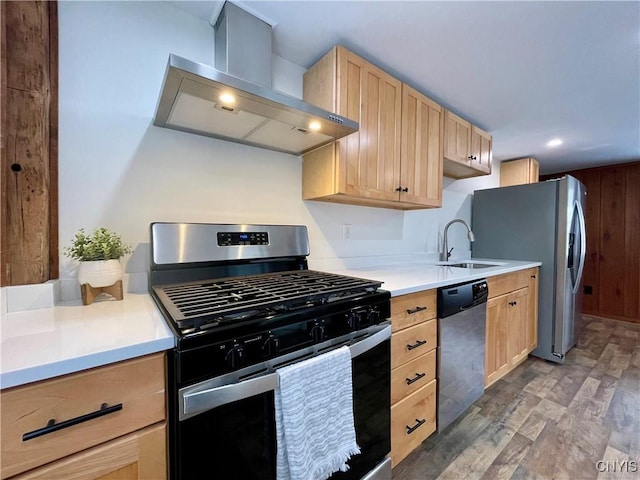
[[315, 126], [227, 99]]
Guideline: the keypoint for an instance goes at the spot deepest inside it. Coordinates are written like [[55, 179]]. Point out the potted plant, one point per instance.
[[99, 254]]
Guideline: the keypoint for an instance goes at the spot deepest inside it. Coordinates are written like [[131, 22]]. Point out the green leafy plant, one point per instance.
[[100, 245]]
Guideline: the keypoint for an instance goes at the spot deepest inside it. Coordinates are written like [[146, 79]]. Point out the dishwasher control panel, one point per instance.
[[457, 298]]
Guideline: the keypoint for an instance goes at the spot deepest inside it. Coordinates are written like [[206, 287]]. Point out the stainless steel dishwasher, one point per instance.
[[462, 312]]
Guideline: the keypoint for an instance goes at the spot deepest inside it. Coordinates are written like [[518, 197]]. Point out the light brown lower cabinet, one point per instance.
[[102, 423], [512, 322], [413, 371], [136, 456]]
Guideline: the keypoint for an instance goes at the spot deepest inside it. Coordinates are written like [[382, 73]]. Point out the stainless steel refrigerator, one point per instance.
[[543, 222]]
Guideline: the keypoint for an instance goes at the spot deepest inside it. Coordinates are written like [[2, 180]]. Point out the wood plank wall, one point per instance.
[[611, 277], [28, 142]]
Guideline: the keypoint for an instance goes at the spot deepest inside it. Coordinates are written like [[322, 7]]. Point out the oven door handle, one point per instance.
[[195, 402]]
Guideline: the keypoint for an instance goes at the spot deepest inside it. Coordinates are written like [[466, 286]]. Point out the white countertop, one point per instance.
[[47, 342], [400, 279]]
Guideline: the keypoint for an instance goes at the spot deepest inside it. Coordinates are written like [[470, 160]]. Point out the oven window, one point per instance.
[[237, 440]]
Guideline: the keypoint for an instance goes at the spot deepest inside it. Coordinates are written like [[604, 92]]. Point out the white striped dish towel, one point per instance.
[[315, 429]]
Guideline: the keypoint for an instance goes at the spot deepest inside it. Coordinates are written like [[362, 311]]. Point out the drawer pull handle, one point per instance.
[[419, 423], [415, 310], [52, 426], [418, 343], [416, 378]]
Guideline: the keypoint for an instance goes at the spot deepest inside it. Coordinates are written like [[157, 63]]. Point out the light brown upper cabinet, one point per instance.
[[467, 148], [395, 159], [481, 143], [518, 172], [421, 150]]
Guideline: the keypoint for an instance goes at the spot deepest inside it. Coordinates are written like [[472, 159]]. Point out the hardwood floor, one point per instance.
[[549, 421]]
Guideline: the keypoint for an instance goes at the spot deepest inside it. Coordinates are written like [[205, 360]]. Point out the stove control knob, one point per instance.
[[373, 316], [357, 319], [317, 331], [270, 346], [353, 319], [235, 357]]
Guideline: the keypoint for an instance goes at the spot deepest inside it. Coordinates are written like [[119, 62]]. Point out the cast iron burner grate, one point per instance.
[[239, 297]]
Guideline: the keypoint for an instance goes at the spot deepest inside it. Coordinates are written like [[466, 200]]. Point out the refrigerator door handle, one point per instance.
[[583, 246]]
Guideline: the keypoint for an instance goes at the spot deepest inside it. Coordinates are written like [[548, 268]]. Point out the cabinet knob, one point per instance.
[[405, 189], [399, 189]]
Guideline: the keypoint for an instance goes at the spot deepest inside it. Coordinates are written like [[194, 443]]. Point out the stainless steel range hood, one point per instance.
[[235, 101]]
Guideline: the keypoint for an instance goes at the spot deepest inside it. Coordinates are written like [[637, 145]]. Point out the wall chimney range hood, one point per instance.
[[234, 101]]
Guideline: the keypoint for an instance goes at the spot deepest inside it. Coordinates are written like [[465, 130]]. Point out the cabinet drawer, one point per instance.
[[508, 282], [412, 342], [412, 376], [412, 420], [411, 309], [137, 385]]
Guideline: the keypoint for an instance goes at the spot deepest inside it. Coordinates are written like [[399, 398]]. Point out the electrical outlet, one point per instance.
[[346, 231]]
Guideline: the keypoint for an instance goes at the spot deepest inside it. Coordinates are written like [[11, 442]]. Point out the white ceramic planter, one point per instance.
[[100, 273]]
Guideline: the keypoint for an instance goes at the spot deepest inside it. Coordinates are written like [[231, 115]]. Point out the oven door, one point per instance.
[[229, 430]]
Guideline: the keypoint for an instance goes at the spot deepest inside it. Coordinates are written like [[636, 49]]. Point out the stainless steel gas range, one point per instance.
[[243, 303]]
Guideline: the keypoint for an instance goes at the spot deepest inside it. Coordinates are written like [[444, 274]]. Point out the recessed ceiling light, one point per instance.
[[556, 142]]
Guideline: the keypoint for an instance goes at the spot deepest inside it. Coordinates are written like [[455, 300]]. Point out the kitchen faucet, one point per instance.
[[446, 253]]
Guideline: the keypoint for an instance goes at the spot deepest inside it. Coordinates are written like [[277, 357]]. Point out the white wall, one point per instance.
[[119, 171]]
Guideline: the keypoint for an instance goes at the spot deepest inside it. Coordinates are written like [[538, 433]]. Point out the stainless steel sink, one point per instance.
[[470, 265]]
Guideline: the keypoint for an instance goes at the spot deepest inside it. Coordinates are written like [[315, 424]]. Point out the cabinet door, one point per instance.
[[137, 456], [496, 355], [519, 172], [517, 306], [421, 150], [532, 311], [457, 136], [480, 150], [369, 162], [515, 172]]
